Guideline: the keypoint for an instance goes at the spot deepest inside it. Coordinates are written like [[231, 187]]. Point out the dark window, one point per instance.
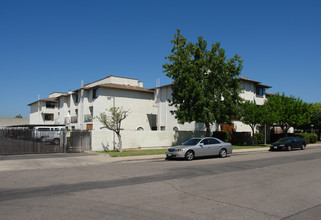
[[213, 141], [259, 91], [210, 141], [94, 93], [43, 129], [50, 104], [76, 98], [49, 117]]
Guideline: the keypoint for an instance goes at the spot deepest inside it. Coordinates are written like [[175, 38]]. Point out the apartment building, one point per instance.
[[149, 108]]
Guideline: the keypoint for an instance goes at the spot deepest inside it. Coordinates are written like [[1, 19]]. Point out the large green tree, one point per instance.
[[252, 115], [205, 87], [315, 111], [287, 111]]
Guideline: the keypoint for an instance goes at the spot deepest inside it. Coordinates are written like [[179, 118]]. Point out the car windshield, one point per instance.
[[193, 141], [286, 139]]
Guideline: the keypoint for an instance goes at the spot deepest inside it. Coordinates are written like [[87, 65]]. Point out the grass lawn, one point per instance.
[[126, 153], [249, 147]]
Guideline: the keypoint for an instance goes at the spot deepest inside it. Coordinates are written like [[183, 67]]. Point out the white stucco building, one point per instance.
[[149, 108]]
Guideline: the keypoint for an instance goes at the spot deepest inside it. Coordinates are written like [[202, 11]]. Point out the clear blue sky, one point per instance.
[[51, 45]]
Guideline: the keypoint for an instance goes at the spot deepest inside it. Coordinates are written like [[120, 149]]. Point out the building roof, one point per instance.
[[45, 100], [241, 79], [167, 85], [125, 87], [255, 82], [61, 93], [5, 122], [108, 77]]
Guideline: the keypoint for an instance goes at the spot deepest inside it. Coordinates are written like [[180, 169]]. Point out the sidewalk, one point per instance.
[[162, 156], [63, 160]]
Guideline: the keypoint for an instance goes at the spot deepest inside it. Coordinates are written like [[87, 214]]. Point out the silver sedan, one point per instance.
[[199, 147]]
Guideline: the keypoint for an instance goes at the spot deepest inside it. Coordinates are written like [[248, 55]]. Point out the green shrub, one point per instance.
[[313, 138], [304, 136], [259, 138], [222, 135], [308, 137]]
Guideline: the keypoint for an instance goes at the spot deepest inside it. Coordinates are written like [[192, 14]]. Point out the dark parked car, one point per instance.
[[288, 143]]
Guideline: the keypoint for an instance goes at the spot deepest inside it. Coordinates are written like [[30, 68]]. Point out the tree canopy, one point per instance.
[[315, 112], [252, 115], [287, 111], [205, 87]]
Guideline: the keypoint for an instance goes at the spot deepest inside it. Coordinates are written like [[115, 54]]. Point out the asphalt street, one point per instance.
[[252, 185]]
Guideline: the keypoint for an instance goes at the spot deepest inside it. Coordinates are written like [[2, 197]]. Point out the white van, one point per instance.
[[48, 134]]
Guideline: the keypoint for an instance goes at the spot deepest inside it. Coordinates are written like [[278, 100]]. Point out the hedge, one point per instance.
[[259, 138], [308, 137], [222, 135]]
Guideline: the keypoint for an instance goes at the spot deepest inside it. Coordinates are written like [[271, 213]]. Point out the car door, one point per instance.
[[202, 148], [297, 142], [214, 146]]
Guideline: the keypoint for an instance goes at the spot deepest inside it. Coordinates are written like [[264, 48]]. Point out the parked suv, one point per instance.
[[48, 134]]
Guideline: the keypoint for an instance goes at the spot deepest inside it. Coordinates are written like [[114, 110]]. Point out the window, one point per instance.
[[95, 93], [50, 104], [43, 129], [213, 141], [205, 141], [210, 141], [76, 98], [259, 91], [49, 117], [140, 129]]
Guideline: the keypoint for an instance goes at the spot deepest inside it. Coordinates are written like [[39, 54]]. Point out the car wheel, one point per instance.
[[56, 141], [302, 147], [189, 155], [289, 148], [223, 153]]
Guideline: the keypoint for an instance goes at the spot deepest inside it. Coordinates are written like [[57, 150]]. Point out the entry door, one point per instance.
[[89, 126]]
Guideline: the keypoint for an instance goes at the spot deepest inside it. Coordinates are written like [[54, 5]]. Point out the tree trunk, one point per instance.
[[208, 129], [285, 130], [120, 144], [252, 127]]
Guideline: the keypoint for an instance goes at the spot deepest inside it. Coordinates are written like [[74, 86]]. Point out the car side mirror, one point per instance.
[[201, 144]]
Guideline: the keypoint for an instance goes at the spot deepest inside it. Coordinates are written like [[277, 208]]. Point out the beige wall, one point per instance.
[[249, 93], [139, 104], [132, 139], [103, 139]]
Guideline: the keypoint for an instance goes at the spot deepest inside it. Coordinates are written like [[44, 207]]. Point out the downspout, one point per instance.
[[81, 109]]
